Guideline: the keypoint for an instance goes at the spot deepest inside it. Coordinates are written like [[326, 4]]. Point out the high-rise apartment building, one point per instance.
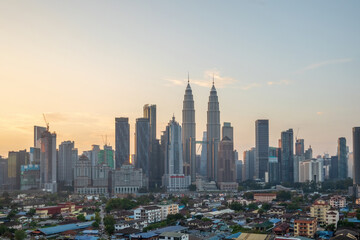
[[287, 156], [122, 141], [48, 162], [342, 158], [142, 145], [68, 155], [3, 173], [261, 148], [189, 134], [213, 134], [106, 156]]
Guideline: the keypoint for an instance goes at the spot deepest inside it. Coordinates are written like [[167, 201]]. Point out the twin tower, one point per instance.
[[189, 134]]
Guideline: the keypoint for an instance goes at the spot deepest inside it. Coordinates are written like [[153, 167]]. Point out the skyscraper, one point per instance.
[[261, 148], [142, 145], [249, 164], [226, 176], [106, 156], [228, 131], [38, 131], [15, 160], [122, 141], [356, 155], [189, 134], [48, 154], [342, 158], [203, 156], [174, 178], [68, 155], [150, 113], [299, 147], [213, 134], [308, 153], [287, 156]]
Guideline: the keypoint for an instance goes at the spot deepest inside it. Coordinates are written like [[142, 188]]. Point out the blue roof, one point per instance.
[[63, 228], [275, 220], [235, 235], [86, 237], [144, 235], [88, 217], [353, 220], [170, 229], [91, 232]]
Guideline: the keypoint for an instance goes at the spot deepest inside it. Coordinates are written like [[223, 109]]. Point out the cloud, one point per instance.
[[281, 82], [250, 86], [206, 81], [325, 63]]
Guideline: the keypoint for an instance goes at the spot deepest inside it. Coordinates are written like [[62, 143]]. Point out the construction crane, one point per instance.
[[47, 123]]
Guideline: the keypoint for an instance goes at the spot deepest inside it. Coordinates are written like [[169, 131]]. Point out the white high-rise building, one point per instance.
[[68, 155], [311, 170], [174, 178], [213, 134], [189, 134]]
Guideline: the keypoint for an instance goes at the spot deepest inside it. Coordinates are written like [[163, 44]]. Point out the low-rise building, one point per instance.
[[332, 217], [338, 201], [168, 209], [305, 226], [264, 197], [173, 236], [150, 213]]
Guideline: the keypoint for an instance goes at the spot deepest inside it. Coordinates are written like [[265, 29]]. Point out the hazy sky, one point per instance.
[[83, 63]]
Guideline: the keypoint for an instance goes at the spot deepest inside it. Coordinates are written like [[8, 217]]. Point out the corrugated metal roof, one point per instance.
[[63, 228]]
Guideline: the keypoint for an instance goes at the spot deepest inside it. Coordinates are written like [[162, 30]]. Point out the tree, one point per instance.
[[32, 212], [283, 195], [20, 235], [109, 222], [249, 195], [97, 217], [236, 206], [110, 229], [252, 206], [95, 225], [172, 218], [192, 187], [266, 206], [81, 217]]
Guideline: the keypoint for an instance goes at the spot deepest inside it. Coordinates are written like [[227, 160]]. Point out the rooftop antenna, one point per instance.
[[47, 123], [188, 77], [213, 79]]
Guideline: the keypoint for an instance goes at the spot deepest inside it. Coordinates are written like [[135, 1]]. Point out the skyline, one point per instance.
[[299, 73]]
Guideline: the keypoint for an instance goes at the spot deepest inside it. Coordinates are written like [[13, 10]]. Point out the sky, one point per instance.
[[83, 63]]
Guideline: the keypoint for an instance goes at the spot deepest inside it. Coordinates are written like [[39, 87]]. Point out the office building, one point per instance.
[[189, 134], [34, 155], [67, 157], [150, 114], [356, 155], [350, 165], [342, 158], [174, 178], [48, 162], [122, 141], [287, 156], [273, 167], [157, 165], [203, 155], [93, 154], [249, 164], [128, 180], [333, 171], [3, 174], [142, 145], [213, 134], [15, 160], [38, 131], [228, 131], [239, 170], [261, 148], [309, 153], [226, 176], [82, 174]]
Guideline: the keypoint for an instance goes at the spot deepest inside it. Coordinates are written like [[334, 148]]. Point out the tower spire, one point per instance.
[[213, 79], [188, 77]]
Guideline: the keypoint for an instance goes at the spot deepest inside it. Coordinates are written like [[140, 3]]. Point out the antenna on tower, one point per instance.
[[297, 133], [213, 78], [188, 77], [47, 123]]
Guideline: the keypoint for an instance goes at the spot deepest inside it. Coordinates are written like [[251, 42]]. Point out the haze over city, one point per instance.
[[84, 63]]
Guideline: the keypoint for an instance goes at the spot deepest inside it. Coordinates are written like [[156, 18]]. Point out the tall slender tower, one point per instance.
[[122, 141], [188, 133], [213, 134], [342, 158], [261, 147]]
